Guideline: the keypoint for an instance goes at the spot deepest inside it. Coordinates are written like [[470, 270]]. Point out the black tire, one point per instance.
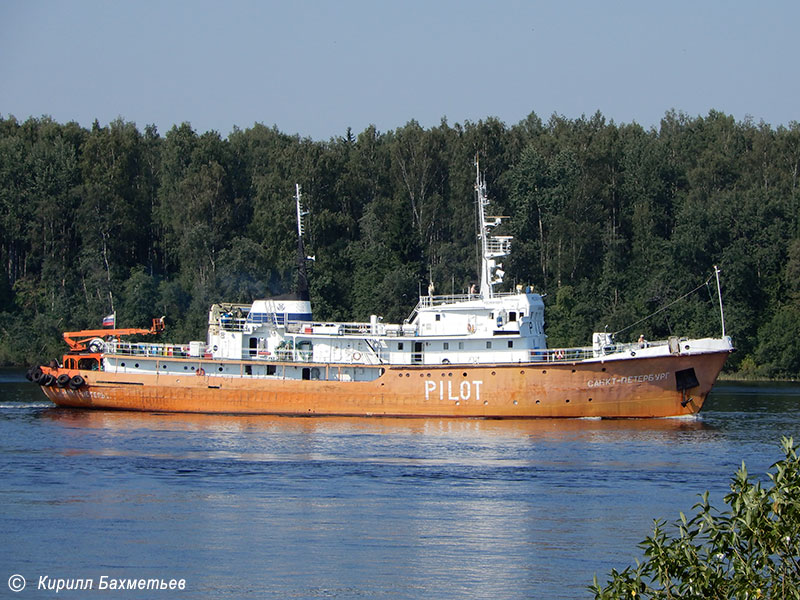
[[47, 380], [77, 382], [37, 375], [63, 380]]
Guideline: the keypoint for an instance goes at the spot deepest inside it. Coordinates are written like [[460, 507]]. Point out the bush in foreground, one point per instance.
[[749, 551]]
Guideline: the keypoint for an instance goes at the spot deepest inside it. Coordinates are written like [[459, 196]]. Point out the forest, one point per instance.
[[613, 222]]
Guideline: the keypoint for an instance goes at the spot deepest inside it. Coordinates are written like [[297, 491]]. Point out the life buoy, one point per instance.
[[559, 355], [356, 355], [445, 361], [201, 371], [470, 328]]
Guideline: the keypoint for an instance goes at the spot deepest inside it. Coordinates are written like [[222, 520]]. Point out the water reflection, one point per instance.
[[539, 428]]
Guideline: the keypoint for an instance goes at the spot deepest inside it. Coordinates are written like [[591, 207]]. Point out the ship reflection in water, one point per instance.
[[276, 507], [471, 433]]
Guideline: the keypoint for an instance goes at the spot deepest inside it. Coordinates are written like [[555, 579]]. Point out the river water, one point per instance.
[[267, 507]]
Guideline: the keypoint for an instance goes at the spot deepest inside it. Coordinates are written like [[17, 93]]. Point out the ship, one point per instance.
[[479, 354]]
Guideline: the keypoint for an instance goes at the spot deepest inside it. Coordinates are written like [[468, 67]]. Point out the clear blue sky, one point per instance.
[[316, 67]]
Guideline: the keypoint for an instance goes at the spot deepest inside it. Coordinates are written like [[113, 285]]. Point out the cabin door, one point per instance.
[[417, 355]]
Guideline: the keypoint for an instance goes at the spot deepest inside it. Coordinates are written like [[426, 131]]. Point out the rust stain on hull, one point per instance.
[[613, 389]]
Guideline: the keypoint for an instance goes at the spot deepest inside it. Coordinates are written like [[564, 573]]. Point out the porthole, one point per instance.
[[515, 402], [121, 364], [464, 374], [221, 369], [136, 365], [567, 401], [537, 402], [544, 371], [494, 373]]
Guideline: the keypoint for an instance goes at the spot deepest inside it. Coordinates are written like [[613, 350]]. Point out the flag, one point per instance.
[[110, 320]]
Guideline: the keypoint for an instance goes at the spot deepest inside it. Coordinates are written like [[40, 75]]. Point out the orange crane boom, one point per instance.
[[77, 340]]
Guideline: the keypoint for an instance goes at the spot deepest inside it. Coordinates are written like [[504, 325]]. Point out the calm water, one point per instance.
[[263, 507]]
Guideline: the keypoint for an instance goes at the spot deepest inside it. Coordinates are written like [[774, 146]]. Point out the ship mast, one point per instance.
[[719, 295], [492, 246], [302, 275]]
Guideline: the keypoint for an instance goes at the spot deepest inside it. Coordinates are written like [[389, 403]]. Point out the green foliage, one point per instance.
[[750, 550], [778, 349], [611, 221]]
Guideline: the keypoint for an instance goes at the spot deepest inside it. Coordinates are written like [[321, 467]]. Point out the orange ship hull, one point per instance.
[[645, 387]]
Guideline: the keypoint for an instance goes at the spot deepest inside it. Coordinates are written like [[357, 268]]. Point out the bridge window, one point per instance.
[[446, 346], [488, 345], [89, 364], [399, 345]]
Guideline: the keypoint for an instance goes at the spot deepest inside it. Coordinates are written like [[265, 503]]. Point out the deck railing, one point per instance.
[[301, 353], [565, 355], [148, 350]]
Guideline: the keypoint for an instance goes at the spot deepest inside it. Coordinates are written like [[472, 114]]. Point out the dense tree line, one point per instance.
[[611, 221]]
